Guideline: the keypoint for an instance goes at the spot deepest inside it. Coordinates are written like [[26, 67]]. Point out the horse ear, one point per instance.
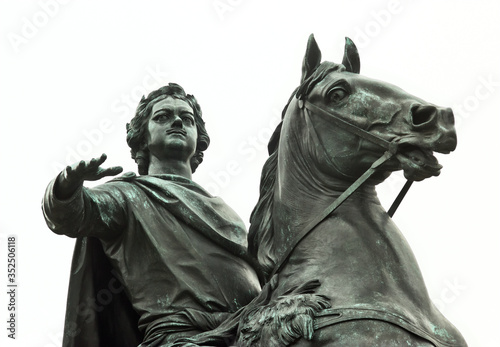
[[351, 56], [312, 59]]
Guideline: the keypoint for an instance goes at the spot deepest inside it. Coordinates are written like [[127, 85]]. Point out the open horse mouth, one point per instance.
[[418, 163]]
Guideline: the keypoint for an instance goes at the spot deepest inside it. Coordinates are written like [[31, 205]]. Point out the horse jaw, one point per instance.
[[419, 164]]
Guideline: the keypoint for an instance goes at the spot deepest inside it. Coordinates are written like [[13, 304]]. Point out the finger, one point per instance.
[[111, 171], [102, 158], [72, 172], [94, 162], [78, 168], [67, 172]]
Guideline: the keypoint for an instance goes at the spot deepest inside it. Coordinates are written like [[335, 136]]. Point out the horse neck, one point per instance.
[[301, 186], [301, 189]]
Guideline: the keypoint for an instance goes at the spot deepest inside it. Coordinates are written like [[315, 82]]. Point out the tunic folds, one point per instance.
[[174, 251]]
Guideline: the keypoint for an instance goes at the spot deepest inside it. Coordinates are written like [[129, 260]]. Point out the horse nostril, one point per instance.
[[448, 117], [421, 115]]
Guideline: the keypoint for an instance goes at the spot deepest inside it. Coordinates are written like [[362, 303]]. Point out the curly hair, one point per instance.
[[136, 129]]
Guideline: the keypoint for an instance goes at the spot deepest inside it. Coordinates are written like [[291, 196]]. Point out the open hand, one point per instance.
[[74, 175]]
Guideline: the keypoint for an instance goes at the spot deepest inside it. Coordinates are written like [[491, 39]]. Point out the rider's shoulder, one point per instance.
[[128, 175]]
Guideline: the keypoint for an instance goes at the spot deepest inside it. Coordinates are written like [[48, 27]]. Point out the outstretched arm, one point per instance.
[[74, 175], [73, 210]]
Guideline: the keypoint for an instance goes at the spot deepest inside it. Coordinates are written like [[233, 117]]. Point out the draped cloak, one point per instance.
[[154, 255]]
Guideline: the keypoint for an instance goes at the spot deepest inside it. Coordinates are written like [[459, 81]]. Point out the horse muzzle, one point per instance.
[[435, 126], [433, 130]]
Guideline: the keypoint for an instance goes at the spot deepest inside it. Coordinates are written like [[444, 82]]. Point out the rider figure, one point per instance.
[[179, 252]]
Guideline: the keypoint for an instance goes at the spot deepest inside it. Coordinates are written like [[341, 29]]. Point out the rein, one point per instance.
[[391, 150]]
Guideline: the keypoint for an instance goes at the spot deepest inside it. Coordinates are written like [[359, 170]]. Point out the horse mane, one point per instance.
[[261, 243]]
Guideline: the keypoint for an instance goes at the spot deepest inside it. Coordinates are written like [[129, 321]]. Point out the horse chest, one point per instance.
[[360, 256]]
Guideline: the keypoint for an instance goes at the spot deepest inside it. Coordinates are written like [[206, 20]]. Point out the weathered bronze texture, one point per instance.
[[335, 269], [339, 128]]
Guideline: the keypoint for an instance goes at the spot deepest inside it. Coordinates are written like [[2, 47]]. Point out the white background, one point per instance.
[[66, 71]]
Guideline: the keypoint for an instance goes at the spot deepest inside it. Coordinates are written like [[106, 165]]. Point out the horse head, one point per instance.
[[315, 156], [411, 125]]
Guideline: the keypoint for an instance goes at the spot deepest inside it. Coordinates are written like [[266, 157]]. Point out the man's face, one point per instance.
[[171, 132]]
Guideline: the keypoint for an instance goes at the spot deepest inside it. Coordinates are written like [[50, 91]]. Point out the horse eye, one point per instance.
[[337, 94]]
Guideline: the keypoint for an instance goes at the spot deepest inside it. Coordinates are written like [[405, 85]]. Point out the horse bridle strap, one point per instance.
[[390, 146], [388, 154]]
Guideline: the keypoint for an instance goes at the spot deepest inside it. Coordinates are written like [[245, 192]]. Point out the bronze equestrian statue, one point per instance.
[[335, 269]]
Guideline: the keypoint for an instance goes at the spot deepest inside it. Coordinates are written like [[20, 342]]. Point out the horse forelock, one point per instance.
[[318, 75], [301, 92], [261, 233]]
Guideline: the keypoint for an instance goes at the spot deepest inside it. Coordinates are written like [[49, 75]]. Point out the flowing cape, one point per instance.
[[110, 323]]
